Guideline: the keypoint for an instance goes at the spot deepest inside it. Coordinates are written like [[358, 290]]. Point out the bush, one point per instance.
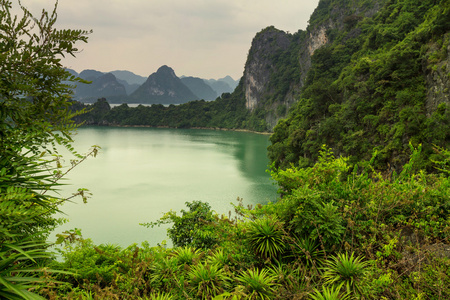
[[91, 263]]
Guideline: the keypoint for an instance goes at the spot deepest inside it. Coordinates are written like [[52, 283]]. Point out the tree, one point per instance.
[[192, 228], [34, 119]]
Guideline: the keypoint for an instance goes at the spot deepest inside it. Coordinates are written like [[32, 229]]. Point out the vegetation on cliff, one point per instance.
[[369, 91]]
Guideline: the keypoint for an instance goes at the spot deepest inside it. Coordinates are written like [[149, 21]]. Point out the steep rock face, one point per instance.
[[260, 63], [437, 69], [278, 59], [162, 87], [340, 16], [377, 85]]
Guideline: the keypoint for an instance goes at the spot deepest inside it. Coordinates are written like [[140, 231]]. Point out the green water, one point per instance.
[[140, 173]]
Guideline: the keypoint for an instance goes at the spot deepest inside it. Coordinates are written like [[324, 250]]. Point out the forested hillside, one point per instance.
[[382, 83]]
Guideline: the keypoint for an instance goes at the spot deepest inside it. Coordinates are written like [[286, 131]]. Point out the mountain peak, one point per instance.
[[163, 87], [165, 70]]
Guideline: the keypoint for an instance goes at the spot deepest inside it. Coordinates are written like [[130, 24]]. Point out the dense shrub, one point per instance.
[[381, 235]]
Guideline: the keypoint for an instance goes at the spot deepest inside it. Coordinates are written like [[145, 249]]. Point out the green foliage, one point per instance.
[[24, 205], [33, 95], [308, 251], [397, 222], [265, 237], [89, 262], [328, 293], [307, 207], [442, 160], [369, 90], [258, 284], [192, 227], [219, 258], [162, 272], [207, 281], [161, 296], [345, 270], [34, 118], [17, 274], [186, 255]]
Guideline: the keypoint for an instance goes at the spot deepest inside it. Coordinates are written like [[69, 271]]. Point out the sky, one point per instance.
[[201, 38]]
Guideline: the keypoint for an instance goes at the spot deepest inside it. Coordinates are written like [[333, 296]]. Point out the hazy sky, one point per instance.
[[202, 38]]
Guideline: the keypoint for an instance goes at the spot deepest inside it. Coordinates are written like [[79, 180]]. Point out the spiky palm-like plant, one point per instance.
[[289, 276], [307, 250], [332, 293], [18, 268], [162, 273], [186, 255], [219, 258], [265, 237], [258, 284], [161, 296], [206, 281], [345, 269]]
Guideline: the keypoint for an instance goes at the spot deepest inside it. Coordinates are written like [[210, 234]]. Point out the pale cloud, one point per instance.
[[204, 38]]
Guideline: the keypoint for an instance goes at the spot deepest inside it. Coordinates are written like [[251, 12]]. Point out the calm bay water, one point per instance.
[[141, 173]]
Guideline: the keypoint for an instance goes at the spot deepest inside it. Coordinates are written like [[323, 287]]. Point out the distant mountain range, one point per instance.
[[161, 87]]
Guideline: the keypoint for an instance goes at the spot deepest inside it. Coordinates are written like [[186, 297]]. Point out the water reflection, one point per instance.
[[143, 172], [249, 150]]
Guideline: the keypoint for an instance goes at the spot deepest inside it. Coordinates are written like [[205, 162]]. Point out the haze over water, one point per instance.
[[141, 173]]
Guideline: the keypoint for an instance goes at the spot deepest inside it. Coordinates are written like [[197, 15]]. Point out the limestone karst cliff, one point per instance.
[[436, 68], [371, 76], [261, 64], [278, 62]]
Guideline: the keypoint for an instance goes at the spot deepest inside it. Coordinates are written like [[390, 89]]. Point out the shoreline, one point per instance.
[[168, 127]]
